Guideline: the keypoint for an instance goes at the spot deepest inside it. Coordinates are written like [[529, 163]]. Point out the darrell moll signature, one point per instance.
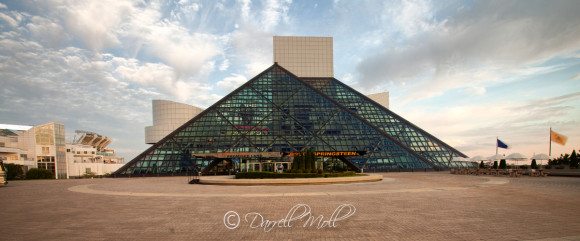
[[297, 214]]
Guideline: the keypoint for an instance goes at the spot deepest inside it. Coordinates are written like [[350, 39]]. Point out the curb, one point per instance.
[[289, 181]]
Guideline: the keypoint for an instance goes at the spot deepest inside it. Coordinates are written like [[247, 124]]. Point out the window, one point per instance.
[[45, 150], [92, 152], [85, 152], [87, 170], [67, 150]]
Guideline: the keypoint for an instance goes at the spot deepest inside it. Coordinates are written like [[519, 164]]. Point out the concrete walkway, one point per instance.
[[401, 206]]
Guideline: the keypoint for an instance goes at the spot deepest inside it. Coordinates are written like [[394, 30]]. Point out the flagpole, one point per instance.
[[550, 153], [496, 139]]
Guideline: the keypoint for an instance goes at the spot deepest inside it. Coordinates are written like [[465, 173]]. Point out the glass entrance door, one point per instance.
[[268, 167]]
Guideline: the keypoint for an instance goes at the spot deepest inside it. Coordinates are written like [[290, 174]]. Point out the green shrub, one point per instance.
[[307, 171], [89, 175], [574, 160], [534, 164], [481, 165], [502, 164], [259, 175], [340, 174], [302, 162], [14, 171], [39, 173], [560, 167], [312, 160], [494, 164]]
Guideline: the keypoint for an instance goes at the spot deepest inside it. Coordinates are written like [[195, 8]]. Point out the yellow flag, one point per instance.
[[560, 139]]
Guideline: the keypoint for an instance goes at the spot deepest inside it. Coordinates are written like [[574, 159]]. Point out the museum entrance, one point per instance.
[[264, 165]]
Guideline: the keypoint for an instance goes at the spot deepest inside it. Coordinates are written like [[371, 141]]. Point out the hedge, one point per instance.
[[257, 175], [39, 173], [14, 171]]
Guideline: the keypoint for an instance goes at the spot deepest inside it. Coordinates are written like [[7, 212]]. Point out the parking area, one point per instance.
[[402, 206]]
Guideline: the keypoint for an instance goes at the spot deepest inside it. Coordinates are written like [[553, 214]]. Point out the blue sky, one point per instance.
[[465, 71]]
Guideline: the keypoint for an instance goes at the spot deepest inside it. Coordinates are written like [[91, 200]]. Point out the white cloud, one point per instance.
[[410, 17], [273, 12], [225, 65], [488, 40], [230, 83], [245, 8], [96, 22], [11, 21], [48, 32], [472, 128], [253, 49], [474, 90]]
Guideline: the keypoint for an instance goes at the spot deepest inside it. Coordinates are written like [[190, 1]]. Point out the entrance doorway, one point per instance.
[[268, 167]]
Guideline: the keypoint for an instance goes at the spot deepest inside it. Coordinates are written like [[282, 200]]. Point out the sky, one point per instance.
[[467, 72]]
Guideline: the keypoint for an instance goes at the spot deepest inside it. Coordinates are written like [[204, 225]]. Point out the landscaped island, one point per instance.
[[256, 175], [303, 166]]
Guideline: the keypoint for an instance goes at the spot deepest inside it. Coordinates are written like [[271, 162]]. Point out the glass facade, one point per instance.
[[277, 112], [52, 137]]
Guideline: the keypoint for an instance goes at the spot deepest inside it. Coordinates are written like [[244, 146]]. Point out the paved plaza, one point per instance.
[[402, 206]]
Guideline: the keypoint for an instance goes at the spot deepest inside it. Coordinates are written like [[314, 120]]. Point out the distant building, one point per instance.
[[305, 56], [381, 98], [168, 116], [43, 146], [87, 155], [11, 151]]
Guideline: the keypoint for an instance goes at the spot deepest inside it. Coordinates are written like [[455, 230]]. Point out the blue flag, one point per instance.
[[500, 144]]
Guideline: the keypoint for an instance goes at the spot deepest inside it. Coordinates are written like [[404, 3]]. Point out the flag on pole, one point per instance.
[[558, 138], [501, 144]]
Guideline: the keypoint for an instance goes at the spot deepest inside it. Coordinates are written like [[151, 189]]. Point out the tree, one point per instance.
[[296, 163], [534, 164], [313, 162], [481, 165], [502, 164], [494, 164], [573, 159], [302, 162], [14, 171]]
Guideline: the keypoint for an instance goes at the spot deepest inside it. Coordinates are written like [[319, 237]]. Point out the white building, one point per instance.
[[312, 57], [11, 151], [381, 98], [167, 116], [43, 146], [305, 56], [87, 155]]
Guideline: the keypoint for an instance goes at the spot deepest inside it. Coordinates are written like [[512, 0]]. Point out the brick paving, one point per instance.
[[403, 206]]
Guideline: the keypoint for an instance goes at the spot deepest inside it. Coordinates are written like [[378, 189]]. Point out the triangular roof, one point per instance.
[[277, 111]]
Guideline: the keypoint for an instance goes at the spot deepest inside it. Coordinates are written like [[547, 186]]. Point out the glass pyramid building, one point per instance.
[[276, 114]]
